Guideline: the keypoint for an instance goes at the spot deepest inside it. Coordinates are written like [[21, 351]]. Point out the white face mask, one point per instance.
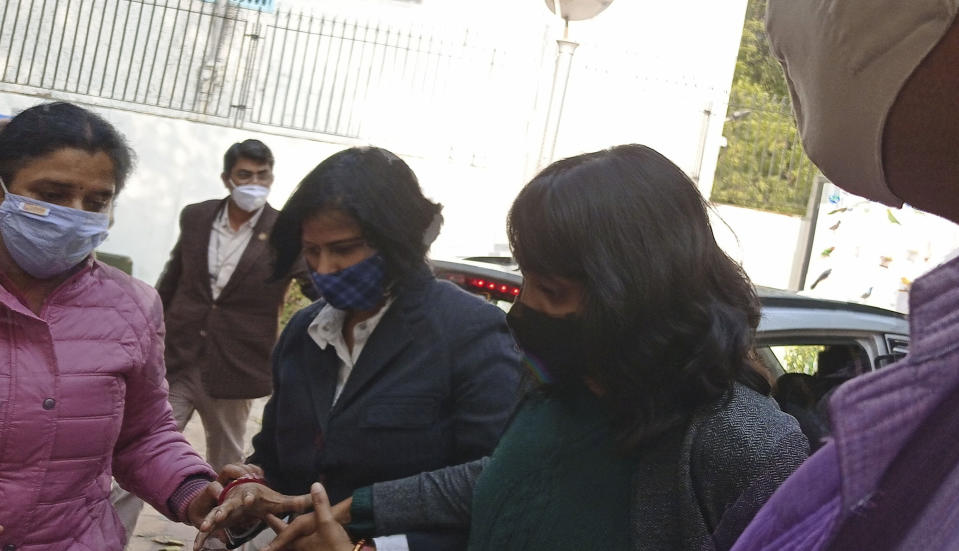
[[250, 197], [845, 64]]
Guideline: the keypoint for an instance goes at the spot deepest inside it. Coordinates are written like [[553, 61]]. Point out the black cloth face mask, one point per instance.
[[554, 347]]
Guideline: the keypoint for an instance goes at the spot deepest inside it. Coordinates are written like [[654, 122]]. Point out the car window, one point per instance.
[[798, 358], [808, 374], [824, 360]]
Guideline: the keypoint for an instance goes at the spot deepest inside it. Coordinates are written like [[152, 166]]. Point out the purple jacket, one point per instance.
[[873, 418], [83, 396]]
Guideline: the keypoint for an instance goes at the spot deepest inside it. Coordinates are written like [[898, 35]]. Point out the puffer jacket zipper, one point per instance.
[[4, 420]]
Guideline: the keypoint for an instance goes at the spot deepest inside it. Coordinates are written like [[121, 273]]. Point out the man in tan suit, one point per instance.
[[221, 308]]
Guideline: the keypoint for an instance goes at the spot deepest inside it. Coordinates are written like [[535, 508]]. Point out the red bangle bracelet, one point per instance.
[[245, 479]]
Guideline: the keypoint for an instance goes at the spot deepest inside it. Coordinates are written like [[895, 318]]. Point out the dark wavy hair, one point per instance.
[[379, 191], [669, 318], [48, 127], [254, 150]]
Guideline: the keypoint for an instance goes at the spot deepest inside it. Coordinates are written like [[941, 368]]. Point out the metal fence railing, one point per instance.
[[762, 164], [240, 66], [163, 54], [320, 73]]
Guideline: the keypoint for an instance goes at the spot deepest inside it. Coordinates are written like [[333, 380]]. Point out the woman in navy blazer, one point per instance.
[[393, 372]]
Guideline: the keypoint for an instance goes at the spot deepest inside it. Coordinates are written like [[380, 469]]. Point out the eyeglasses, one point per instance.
[[245, 178]]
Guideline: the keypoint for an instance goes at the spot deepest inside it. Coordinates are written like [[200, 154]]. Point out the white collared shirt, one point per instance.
[[226, 248], [326, 329]]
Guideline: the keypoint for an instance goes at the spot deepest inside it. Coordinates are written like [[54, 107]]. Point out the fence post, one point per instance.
[[212, 68], [703, 138], [245, 97], [807, 234]]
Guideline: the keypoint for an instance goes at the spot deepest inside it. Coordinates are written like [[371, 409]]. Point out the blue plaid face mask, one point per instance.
[[359, 287]]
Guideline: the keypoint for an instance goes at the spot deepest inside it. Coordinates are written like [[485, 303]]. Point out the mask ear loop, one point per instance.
[[6, 192]]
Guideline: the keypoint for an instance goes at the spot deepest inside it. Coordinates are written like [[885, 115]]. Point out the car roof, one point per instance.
[[787, 311], [783, 311]]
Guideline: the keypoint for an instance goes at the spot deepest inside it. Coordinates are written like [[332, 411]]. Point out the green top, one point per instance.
[[555, 481]]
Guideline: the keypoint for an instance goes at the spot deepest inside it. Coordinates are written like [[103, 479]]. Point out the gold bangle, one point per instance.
[[359, 545]]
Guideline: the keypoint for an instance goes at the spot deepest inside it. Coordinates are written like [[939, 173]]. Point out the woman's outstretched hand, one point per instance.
[[318, 531], [246, 504], [203, 503], [233, 471]]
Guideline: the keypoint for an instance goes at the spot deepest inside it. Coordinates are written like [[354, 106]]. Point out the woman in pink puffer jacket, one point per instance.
[[82, 388]]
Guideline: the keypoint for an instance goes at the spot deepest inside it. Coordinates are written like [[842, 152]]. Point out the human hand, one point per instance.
[[246, 503], [319, 530], [233, 471], [341, 511], [305, 525], [201, 505]]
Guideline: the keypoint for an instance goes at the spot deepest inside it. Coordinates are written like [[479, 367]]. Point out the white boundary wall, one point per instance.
[[763, 242], [179, 162]]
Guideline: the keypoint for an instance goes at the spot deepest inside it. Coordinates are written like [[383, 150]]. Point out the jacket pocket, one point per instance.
[[402, 413], [89, 416], [395, 437], [66, 479]]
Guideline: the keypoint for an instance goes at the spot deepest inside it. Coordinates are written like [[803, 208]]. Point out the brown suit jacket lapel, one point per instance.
[[255, 249]]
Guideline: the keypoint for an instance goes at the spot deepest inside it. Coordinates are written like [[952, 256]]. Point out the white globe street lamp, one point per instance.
[[567, 10]]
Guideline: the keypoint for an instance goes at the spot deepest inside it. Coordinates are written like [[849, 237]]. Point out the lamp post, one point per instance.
[[567, 10], [557, 98]]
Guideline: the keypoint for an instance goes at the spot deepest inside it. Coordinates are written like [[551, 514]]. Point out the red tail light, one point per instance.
[[497, 290]]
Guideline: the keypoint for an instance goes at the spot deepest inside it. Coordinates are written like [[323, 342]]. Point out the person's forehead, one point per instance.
[[251, 165], [68, 169]]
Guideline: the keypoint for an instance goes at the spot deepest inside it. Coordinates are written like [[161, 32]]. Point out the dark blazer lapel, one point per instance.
[[257, 247], [390, 337], [321, 369]]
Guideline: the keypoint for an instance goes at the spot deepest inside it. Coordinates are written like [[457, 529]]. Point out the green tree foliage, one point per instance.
[[762, 165], [294, 301], [756, 63], [802, 359]]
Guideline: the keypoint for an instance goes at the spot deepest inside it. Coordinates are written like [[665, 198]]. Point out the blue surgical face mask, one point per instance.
[[359, 287], [46, 239]]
